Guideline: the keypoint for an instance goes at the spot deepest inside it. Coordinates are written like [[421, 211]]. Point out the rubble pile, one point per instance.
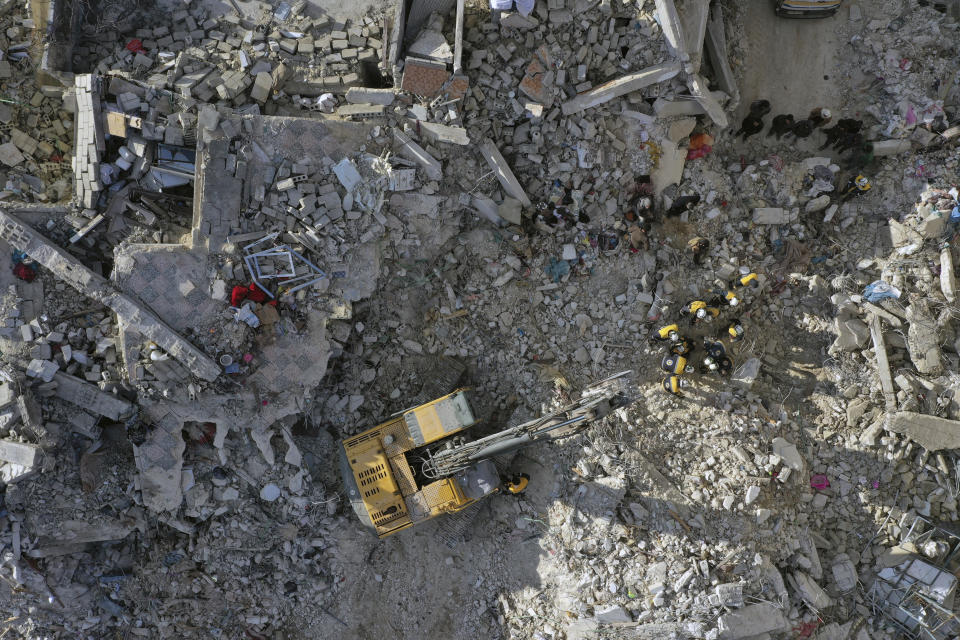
[[264, 248]]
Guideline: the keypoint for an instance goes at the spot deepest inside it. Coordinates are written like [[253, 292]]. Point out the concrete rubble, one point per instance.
[[237, 232]]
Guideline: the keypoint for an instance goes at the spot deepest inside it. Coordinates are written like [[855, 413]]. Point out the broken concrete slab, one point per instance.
[[412, 151], [443, 133], [706, 99], [773, 215], [90, 397], [503, 172], [669, 170], [20, 453], [365, 95], [922, 342], [621, 86], [883, 148], [752, 620], [75, 535], [930, 432]]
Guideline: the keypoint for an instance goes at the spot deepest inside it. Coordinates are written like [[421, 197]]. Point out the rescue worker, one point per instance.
[[802, 128], [669, 332], [820, 117], [698, 310], [759, 108], [855, 187], [675, 364], [717, 359], [722, 365], [516, 484], [751, 280], [782, 125], [699, 247], [714, 348], [683, 347], [735, 330], [673, 384], [751, 125], [862, 158], [731, 298]]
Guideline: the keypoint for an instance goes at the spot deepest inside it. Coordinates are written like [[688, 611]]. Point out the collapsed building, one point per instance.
[[250, 230]]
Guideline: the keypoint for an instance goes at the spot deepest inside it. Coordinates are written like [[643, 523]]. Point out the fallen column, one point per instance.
[[503, 172], [132, 313], [948, 282], [669, 21], [716, 44], [883, 364], [621, 86], [90, 397], [412, 151]]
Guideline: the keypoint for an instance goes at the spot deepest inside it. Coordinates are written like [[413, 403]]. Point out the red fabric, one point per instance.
[[24, 272], [237, 295], [256, 294], [252, 293], [136, 46]]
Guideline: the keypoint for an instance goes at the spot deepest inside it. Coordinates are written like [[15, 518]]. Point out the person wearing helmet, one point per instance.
[[714, 349], [699, 311], [751, 279], [683, 347], [676, 365], [735, 330], [731, 299], [820, 117], [856, 187], [699, 247], [722, 365], [670, 332], [673, 384]]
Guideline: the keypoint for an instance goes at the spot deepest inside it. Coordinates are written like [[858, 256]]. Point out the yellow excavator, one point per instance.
[[420, 464]]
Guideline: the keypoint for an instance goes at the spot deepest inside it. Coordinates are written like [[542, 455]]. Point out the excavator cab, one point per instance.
[[381, 471], [806, 8]]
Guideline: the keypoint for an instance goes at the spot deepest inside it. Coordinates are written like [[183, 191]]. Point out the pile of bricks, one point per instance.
[[225, 58], [89, 142]]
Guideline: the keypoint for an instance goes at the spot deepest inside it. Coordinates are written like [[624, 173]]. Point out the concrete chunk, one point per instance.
[[19, 453], [621, 86], [503, 172], [750, 621], [930, 432], [363, 95], [772, 215], [412, 151]]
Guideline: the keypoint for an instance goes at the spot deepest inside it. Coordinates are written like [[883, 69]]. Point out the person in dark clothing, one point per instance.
[[862, 158], [802, 129], [782, 125], [759, 108], [850, 141], [820, 117], [843, 128], [751, 125], [699, 247], [681, 204]]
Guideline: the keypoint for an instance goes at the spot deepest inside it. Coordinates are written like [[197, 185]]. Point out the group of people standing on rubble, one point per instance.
[[680, 349], [845, 136]]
